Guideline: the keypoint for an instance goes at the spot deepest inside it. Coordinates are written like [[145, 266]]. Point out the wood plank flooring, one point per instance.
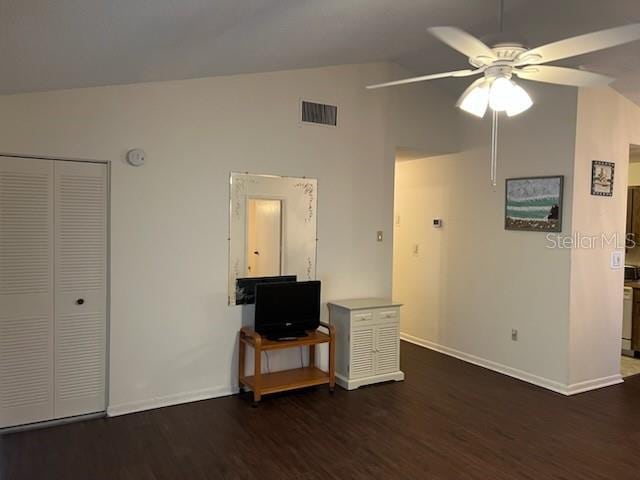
[[448, 420]]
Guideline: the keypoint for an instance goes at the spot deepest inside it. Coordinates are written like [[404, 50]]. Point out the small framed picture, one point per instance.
[[534, 204], [602, 178]]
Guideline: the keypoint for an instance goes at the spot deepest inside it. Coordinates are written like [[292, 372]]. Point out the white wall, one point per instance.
[[473, 281], [607, 123], [173, 337]]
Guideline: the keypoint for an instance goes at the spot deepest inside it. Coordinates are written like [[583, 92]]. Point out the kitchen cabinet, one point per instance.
[[633, 214], [635, 322]]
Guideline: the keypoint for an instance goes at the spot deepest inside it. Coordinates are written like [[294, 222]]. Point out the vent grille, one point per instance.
[[319, 113]]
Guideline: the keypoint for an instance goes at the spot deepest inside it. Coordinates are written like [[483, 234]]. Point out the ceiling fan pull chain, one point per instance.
[[494, 148]]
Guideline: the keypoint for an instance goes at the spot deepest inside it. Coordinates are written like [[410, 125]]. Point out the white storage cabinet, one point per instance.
[[367, 341]]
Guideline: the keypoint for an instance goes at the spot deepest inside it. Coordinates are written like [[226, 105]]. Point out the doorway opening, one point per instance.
[[630, 359], [417, 245], [264, 237]]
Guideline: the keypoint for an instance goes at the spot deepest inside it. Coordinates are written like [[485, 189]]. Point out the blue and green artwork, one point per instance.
[[534, 204]]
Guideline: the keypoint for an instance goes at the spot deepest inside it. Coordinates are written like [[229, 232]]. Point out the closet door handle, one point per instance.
[[80, 301]]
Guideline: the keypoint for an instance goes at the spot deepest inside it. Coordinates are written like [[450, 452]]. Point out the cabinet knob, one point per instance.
[[80, 301]]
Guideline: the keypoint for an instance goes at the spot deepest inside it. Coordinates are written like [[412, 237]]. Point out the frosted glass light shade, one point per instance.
[[500, 94], [475, 99], [519, 102]]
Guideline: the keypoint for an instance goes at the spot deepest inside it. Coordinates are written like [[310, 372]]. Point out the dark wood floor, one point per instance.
[[448, 420]]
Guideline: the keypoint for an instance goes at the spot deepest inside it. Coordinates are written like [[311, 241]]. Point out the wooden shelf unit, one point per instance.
[[309, 376]]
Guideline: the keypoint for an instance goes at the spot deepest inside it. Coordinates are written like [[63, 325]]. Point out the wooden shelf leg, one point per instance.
[[241, 359], [332, 358], [312, 355], [257, 373]]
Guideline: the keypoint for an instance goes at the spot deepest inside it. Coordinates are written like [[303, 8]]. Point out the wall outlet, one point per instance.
[[514, 334], [616, 259]]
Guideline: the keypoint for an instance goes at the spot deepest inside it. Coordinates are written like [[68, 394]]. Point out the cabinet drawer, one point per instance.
[[388, 315], [360, 317]]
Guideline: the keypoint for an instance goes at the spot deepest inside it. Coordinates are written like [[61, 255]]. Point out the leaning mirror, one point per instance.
[[272, 229]]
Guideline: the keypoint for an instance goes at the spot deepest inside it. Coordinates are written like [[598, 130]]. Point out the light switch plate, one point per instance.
[[617, 257]]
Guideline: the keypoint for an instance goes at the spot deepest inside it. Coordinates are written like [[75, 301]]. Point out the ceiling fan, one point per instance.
[[500, 63], [503, 61]]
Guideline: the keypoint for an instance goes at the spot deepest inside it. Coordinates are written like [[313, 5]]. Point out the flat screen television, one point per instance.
[[287, 310], [246, 287]]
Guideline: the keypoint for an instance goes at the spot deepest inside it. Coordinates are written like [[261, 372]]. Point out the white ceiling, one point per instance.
[[47, 44]]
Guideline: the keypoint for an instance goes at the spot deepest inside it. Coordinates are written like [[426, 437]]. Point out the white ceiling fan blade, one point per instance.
[[463, 42], [563, 76], [589, 42], [456, 73]]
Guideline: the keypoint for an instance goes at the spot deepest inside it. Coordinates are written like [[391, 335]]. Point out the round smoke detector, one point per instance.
[[136, 157]]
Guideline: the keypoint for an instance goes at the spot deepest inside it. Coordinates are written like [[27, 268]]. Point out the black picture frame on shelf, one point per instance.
[[602, 174]]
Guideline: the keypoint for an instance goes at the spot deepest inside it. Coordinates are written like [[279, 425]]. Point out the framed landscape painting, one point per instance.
[[534, 204]]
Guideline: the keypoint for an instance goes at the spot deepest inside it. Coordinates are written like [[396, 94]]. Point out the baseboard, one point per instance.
[[589, 385], [352, 384], [482, 362], [168, 400], [552, 385]]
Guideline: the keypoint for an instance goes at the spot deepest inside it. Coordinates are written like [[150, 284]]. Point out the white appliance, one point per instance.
[[627, 317]]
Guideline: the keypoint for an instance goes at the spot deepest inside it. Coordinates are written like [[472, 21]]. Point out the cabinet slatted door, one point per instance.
[[388, 348], [80, 279], [26, 291], [362, 352]]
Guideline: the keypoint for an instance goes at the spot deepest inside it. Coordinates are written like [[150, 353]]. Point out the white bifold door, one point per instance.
[[53, 289]]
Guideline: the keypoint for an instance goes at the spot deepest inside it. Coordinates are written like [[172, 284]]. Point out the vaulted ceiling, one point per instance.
[[47, 45]]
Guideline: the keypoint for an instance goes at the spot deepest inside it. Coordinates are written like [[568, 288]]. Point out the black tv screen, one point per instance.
[[287, 309], [246, 287]]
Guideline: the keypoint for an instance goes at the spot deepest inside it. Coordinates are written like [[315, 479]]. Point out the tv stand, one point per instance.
[[309, 376], [286, 337]]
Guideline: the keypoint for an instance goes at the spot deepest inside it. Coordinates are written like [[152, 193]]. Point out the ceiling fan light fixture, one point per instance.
[[500, 94], [475, 99], [520, 101]]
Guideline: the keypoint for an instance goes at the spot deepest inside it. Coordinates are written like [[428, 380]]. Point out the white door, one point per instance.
[[387, 348], [362, 352], [26, 291], [52, 289], [80, 282], [264, 237]]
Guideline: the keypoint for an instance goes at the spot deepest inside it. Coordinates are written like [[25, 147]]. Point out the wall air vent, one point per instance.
[[319, 113]]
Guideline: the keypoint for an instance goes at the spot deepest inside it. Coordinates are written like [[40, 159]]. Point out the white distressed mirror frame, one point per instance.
[[299, 223]]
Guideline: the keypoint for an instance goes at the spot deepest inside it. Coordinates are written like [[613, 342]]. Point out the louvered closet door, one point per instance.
[[80, 279], [388, 348], [26, 291]]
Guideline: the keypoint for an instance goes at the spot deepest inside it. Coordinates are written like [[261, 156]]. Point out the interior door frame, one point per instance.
[[283, 219], [107, 346]]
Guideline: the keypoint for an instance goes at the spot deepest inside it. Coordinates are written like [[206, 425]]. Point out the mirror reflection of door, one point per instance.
[[264, 237]]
